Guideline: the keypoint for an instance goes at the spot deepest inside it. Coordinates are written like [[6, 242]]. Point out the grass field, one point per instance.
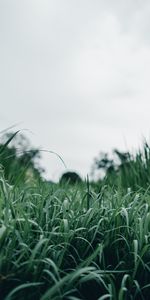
[[81, 241]]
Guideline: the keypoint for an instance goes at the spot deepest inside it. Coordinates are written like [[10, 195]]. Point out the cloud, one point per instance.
[[76, 72]]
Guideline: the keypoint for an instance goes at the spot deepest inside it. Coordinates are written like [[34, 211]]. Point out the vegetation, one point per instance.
[[81, 241], [70, 177], [127, 170], [18, 158]]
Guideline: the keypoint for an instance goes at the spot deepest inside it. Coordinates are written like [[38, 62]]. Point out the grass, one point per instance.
[[82, 241]]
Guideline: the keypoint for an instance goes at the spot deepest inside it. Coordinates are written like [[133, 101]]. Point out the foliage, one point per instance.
[[76, 242], [70, 177], [129, 171], [56, 243], [18, 158]]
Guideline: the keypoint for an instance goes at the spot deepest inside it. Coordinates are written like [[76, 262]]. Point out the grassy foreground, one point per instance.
[[62, 242], [81, 241]]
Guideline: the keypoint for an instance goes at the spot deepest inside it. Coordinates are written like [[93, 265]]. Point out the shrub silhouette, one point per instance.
[[70, 177]]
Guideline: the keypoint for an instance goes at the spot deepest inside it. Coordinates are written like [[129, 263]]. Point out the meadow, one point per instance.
[[88, 240]]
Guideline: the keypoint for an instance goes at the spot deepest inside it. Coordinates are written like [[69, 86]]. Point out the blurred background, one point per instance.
[[75, 77]]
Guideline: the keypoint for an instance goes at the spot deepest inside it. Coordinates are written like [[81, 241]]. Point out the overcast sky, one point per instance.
[[77, 74]]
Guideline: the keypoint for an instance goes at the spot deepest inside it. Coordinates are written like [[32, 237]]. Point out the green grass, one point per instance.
[[82, 241], [56, 243]]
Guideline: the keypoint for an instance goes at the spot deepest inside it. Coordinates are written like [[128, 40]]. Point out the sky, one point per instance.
[[75, 77]]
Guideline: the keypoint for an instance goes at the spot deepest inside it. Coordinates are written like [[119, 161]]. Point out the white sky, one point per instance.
[[77, 74]]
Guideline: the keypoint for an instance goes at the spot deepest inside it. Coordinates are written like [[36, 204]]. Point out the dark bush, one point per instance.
[[70, 177]]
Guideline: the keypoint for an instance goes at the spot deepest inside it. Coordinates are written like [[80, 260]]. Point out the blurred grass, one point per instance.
[[133, 173]]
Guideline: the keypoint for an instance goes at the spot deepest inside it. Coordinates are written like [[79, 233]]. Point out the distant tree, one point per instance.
[[70, 177], [127, 170], [104, 162], [109, 165], [124, 157]]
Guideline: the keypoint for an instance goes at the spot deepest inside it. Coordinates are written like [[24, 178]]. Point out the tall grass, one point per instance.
[[133, 173], [55, 245], [72, 242]]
